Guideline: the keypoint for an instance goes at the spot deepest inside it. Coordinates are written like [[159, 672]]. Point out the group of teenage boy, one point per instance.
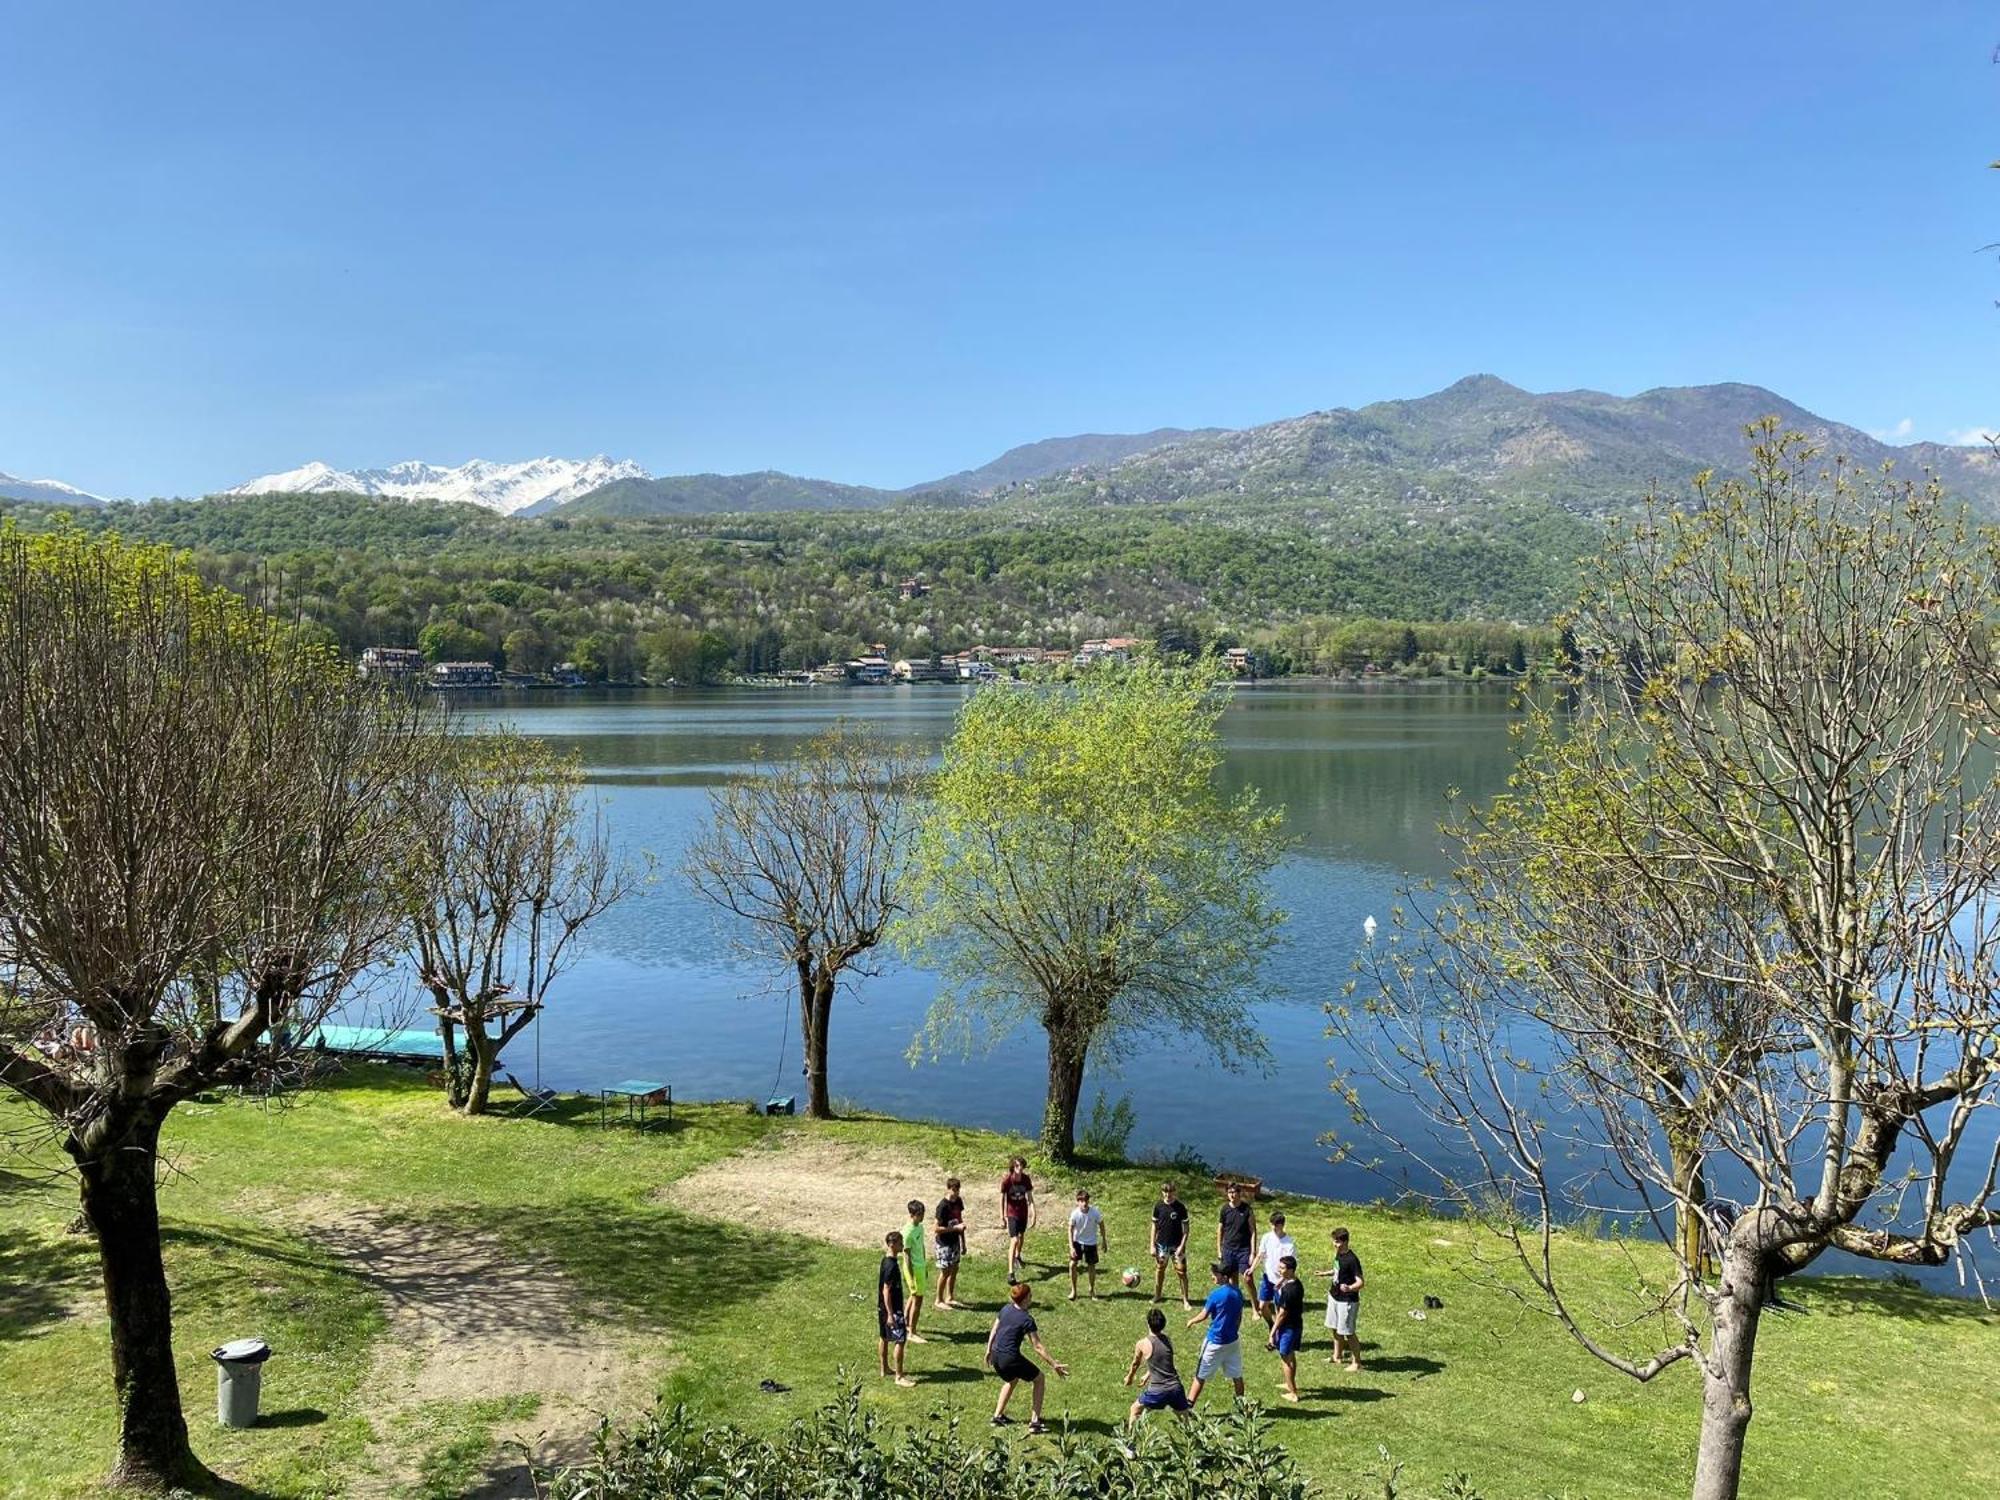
[[1268, 1266]]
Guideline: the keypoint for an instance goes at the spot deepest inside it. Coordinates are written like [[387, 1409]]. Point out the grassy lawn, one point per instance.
[[1873, 1390]]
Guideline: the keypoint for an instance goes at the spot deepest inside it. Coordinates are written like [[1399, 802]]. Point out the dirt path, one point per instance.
[[472, 1321], [845, 1195]]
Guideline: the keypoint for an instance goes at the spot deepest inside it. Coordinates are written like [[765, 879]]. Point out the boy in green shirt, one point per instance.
[[917, 1260]]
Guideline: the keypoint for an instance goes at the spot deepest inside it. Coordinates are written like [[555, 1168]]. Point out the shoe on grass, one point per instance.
[[1037, 1427]]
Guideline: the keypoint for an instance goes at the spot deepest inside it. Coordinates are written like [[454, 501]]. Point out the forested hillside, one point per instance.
[[697, 597]]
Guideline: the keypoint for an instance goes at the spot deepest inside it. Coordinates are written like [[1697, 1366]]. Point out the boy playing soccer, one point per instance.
[[950, 1243], [889, 1325], [1169, 1236], [919, 1267], [1288, 1324], [1163, 1381], [1087, 1236]]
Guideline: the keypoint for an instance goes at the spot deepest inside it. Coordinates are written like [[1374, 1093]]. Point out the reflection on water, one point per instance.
[[1364, 773]]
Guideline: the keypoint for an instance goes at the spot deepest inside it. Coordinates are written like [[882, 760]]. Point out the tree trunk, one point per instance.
[[481, 1053], [454, 1087], [815, 1016], [1725, 1396], [1691, 1188], [1066, 1061], [121, 1203]]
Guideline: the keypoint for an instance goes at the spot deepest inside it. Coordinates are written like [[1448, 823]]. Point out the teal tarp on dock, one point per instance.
[[377, 1041]]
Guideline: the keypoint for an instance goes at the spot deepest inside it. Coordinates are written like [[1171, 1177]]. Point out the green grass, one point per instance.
[[1874, 1389]]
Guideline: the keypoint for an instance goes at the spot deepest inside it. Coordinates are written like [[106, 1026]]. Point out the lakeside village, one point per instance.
[[1346, 648], [872, 669]]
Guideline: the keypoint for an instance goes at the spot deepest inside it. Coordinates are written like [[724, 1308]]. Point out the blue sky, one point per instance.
[[879, 243]]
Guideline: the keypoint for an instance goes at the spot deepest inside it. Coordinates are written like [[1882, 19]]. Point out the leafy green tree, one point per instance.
[[449, 640], [1079, 867], [526, 651]]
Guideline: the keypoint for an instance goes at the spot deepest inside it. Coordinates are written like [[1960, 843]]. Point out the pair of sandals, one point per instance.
[[1035, 1427]]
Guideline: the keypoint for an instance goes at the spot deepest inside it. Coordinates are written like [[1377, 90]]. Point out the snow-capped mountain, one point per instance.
[[47, 491], [537, 484]]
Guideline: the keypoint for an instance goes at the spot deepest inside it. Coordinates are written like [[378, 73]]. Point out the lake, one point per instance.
[[1365, 773], [661, 992]]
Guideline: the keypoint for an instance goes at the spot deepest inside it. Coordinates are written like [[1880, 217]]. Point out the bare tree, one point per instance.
[[508, 871], [196, 824], [809, 852], [1736, 926]]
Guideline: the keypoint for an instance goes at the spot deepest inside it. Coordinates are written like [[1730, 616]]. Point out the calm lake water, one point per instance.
[[660, 991]]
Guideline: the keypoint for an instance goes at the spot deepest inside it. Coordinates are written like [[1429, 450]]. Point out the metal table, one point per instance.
[[637, 1093]]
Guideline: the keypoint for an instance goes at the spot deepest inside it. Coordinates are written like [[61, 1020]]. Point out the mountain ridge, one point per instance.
[[526, 487], [46, 492]]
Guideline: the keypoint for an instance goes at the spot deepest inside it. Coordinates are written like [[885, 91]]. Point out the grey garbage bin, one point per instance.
[[239, 1379]]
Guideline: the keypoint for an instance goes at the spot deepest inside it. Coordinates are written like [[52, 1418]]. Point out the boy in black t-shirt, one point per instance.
[[1288, 1323], [890, 1328], [1003, 1353], [1343, 1302], [1169, 1242], [950, 1243], [1235, 1231]]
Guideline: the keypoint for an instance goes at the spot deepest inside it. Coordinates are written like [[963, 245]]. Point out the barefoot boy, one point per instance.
[[1163, 1381], [950, 1243], [1087, 1236], [889, 1326]]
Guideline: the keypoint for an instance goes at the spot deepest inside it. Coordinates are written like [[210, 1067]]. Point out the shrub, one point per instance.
[[841, 1452], [1109, 1129]]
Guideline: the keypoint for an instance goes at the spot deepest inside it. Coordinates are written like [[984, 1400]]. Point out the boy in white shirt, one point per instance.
[[1087, 1238], [1264, 1275]]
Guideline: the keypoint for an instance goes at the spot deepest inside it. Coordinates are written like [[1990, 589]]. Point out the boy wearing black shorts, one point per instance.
[[1235, 1231], [1003, 1353], [890, 1328], [1169, 1242], [1087, 1237], [1017, 1213]]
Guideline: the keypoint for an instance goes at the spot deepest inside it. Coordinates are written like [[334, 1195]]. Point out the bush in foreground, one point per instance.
[[841, 1452]]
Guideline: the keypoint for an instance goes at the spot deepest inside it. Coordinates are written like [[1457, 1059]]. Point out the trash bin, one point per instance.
[[239, 1379]]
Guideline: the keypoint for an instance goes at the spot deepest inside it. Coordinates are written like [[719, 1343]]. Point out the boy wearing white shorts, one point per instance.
[[1221, 1352]]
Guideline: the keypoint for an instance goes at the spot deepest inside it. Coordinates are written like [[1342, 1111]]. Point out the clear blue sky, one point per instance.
[[880, 243]]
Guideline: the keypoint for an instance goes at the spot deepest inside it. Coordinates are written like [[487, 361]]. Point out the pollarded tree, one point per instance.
[[1746, 901], [809, 851], [509, 869], [1079, 866], [197, 825]]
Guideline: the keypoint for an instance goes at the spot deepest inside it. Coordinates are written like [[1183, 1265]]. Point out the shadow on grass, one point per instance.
[[266, 1245], [1405, 1364], [965, 1336], [298, 1416], [1338, 1394], [40, 1280], [648, 1263], [955, 1375], [1861, 1296], [1100, 1426]]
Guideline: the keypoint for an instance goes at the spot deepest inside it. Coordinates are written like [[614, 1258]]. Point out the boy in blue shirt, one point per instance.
[[1223, 1312]]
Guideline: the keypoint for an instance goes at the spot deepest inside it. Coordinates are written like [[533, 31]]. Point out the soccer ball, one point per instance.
[[1130, 1276]]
